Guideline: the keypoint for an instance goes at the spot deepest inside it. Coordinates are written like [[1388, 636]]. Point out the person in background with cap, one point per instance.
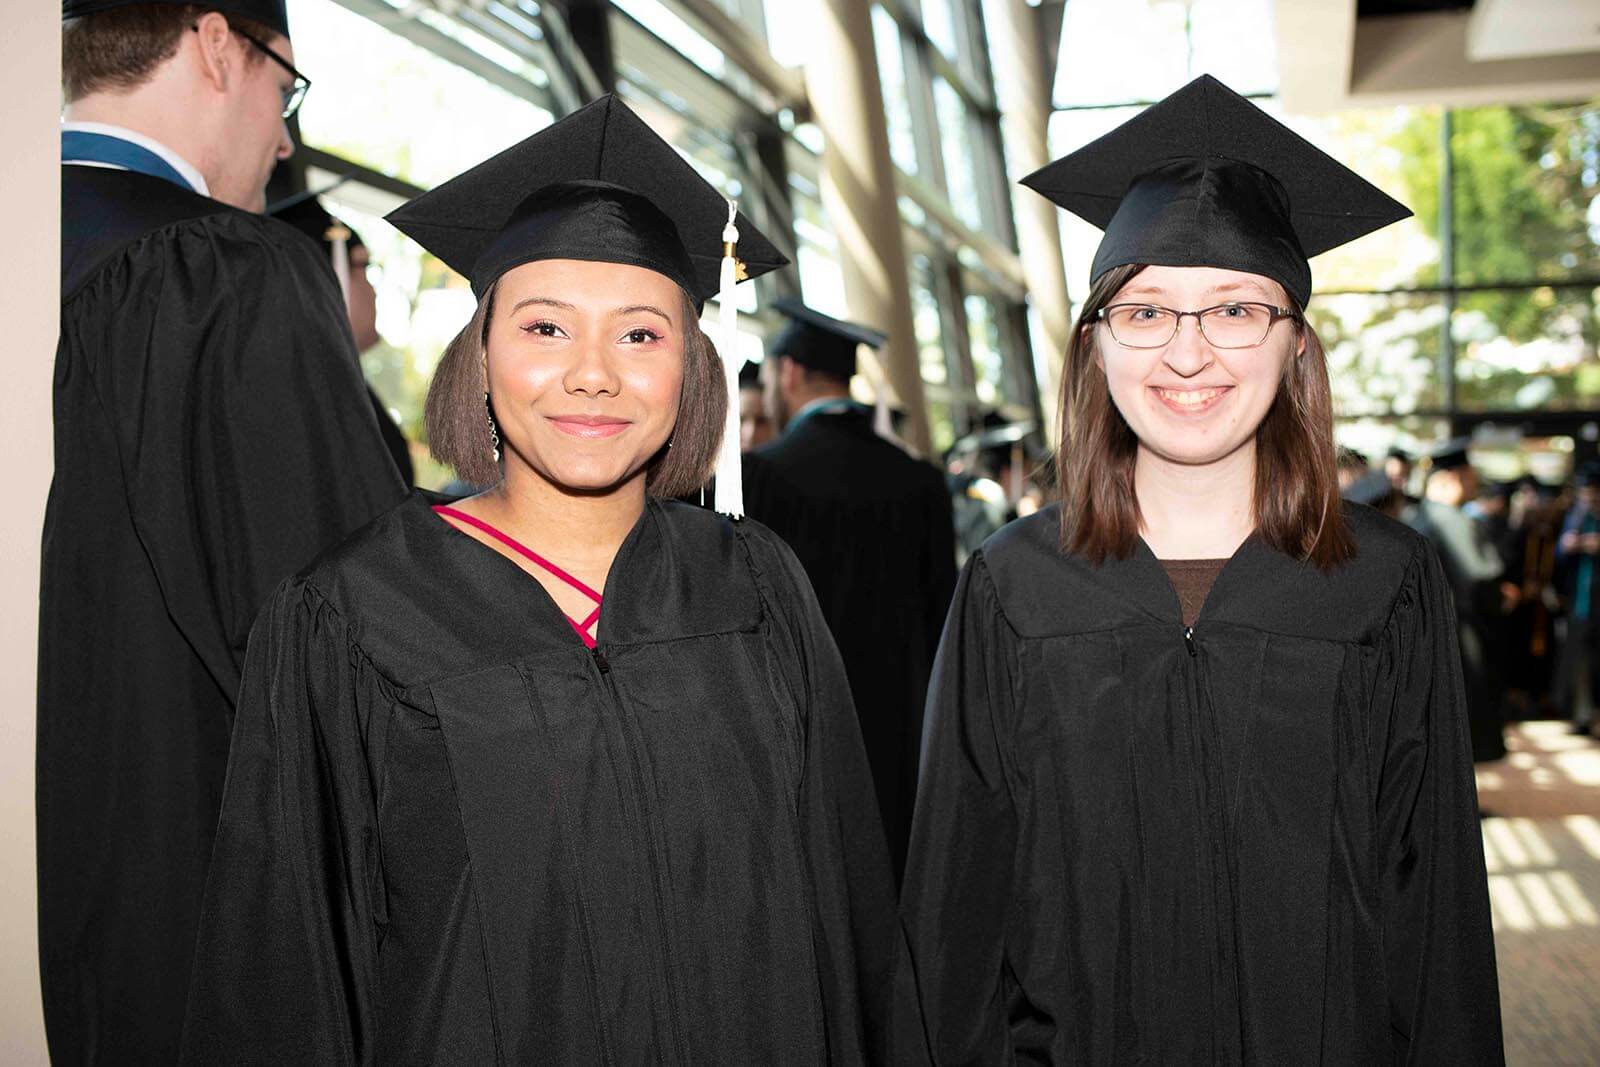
[[1476, 574], [1578, 577], [212, 434], [1397, 466], [993, 476], [349, 257], [873, 528], [755, 424], [566, 772], [1196, 785]]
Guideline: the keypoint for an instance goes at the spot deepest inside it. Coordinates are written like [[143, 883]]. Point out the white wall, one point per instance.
[[30, 86]]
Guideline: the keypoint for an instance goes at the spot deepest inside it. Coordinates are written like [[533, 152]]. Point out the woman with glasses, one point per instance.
[[565, 772], [1196, 783]]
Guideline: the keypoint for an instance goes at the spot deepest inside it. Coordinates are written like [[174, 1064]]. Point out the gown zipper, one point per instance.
[[673, 1024]]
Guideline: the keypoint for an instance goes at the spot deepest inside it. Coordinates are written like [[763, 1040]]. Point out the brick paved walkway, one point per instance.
[[1541, 841]]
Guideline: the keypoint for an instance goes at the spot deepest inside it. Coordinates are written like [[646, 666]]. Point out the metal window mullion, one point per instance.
[[924, 116], [447, 48], [957, 338]]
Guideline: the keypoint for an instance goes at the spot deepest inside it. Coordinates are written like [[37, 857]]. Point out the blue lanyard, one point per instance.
[[80, 146]]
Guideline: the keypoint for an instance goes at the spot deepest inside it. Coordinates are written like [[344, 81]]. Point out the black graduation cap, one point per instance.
[[312, 219], [1371, 489], [820, 341], [1449, 455], [271, 13], [599, 185], [1207, 179], [750, 375]]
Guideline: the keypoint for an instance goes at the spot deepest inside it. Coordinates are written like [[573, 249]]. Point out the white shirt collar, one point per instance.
[[177, 162]]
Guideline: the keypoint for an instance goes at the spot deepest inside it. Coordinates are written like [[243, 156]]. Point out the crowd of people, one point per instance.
[[1521, 559], [570, 767]]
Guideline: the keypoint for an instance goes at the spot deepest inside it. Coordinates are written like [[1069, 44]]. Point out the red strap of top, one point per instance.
[[523, 550]]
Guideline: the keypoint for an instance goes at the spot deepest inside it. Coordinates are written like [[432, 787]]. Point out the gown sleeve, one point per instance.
[[247, 440], [286, 957], [1443, 995], [852, 887], [952, 990], [956, 904]]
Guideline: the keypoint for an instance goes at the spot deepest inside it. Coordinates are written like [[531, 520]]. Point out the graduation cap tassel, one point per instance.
[[729, 498], [338, 236]]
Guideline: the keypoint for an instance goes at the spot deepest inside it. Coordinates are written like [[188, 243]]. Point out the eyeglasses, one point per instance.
[[295, 94], [1235, 325]]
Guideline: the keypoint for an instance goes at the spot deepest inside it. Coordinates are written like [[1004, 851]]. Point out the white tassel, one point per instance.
[[729, 498], [338, 235]]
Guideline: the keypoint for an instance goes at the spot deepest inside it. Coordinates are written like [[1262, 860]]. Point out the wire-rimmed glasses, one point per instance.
[[1237, 324]]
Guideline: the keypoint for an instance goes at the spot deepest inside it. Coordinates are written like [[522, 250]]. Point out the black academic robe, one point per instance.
[[1252, 843], [872, 527], [212, 435], [452, 834], [394, 439]]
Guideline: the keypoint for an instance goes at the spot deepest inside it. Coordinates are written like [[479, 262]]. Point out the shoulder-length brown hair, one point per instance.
[[1297, 505], [458, 426]]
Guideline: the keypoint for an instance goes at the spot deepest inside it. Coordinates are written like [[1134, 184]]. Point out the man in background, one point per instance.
[[1476, 574], [1577, 677], [212, 435], [348, 257], [873, 529], [755, 424]]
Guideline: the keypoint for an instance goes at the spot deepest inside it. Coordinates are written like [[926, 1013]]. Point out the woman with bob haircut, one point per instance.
[[565, 772], [1196, 784]]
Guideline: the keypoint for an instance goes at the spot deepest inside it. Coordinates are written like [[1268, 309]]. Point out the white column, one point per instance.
[[1024, 91], [30, 306], [859, 195]]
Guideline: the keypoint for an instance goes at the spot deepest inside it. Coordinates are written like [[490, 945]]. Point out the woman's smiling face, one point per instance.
[[1189, 401], [584, 369]]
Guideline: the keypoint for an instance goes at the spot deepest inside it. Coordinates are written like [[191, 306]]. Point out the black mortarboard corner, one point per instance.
[[1207, 179], [312, 219], [1372, 489], [820, 341], [271, 13], [750, 375], [599, 185], [1449, 455]]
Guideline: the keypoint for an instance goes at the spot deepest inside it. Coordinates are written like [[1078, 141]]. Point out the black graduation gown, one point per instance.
[[452, 834], [1256, 845], [394, 438], [872, 527], [212, 435]]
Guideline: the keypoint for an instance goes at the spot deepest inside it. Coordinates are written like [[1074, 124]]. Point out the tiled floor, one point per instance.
[[1541, 839]]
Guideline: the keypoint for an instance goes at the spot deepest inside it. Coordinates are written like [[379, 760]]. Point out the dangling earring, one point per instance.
[[494, 431]]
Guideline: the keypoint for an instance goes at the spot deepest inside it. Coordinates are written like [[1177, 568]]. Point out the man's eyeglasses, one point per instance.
[[295, 94], [1244, 324]]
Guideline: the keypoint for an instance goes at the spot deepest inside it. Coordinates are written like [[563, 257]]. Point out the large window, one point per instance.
[[409, 94], [956, 205]]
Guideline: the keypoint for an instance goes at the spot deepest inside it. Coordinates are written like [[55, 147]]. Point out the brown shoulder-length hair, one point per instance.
[[458, 427], [1297, 505]]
